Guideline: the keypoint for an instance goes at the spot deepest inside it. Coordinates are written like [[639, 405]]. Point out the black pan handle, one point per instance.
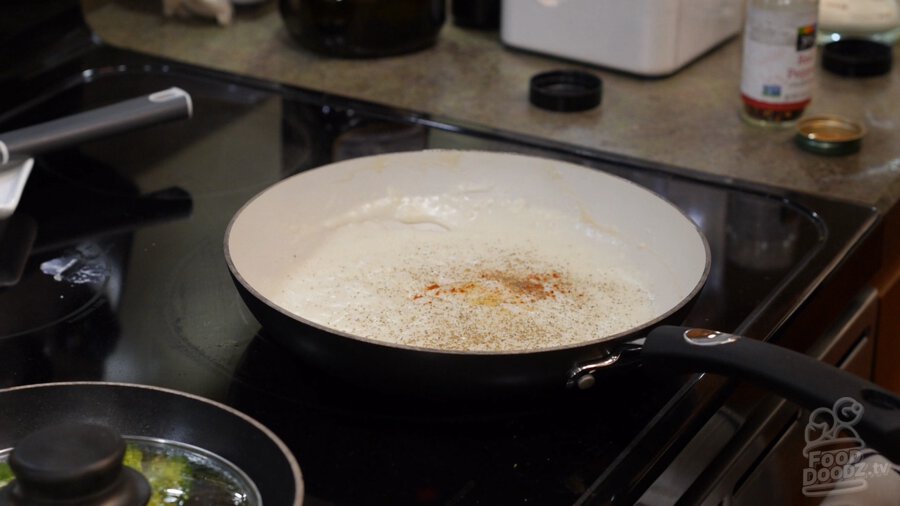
[[797, 377], [165, 105]]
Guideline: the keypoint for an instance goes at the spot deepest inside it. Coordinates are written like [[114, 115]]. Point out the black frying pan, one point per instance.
[[136, 410], [288, 224]]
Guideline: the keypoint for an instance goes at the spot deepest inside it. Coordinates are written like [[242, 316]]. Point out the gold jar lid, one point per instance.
[[829, 135]]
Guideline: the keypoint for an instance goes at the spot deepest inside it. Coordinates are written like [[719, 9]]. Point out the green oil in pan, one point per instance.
[[6, 474], [179, 474], [184, 475]]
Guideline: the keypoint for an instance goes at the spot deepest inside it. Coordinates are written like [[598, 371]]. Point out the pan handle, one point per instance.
[[165, 105], [850, 401]]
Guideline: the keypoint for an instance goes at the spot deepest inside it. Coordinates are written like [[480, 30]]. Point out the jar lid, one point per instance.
[[566, 90], [829, 135], [857, 57], [71, 464]]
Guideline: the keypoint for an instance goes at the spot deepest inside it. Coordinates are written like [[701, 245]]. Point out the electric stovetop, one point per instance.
[[126, 281]]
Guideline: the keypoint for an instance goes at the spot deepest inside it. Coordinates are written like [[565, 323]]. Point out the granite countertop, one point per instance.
[[688, 120]]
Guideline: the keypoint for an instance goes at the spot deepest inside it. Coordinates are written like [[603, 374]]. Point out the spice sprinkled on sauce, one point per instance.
[[482, 281], [496, 287]]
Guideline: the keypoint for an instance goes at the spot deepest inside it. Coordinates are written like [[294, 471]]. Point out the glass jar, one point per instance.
[[877, 20], [363, 28], [779, 60]]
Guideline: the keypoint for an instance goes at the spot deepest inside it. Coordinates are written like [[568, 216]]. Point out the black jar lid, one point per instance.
[[857, 57], [566, 90]]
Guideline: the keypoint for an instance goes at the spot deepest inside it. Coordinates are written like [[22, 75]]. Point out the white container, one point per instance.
[[645, 37]]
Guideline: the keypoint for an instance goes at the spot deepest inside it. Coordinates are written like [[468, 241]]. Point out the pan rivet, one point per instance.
[[703, 337], [700, 334], [586, 381]]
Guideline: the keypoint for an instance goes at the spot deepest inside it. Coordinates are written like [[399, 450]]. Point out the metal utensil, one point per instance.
[[18, 146]]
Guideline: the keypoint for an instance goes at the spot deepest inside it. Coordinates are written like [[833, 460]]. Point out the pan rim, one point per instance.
[[625, 335]]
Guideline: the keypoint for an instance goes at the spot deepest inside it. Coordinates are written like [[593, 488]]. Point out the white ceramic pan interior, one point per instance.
[[434, 195]]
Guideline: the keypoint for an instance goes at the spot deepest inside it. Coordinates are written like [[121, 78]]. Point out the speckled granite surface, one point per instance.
[[687, 120]]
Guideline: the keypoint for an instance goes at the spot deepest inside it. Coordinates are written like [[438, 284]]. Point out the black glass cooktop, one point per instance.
[[126, 281]]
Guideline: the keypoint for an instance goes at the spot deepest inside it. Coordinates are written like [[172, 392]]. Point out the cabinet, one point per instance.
[[887, 283]]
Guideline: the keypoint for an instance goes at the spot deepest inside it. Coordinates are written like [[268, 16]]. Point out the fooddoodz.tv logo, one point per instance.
[[834, 452]]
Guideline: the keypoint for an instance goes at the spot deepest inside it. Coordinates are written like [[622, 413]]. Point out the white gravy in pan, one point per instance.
[[459, 272]]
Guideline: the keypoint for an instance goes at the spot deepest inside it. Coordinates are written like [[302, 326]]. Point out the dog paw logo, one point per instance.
[[833, 449]]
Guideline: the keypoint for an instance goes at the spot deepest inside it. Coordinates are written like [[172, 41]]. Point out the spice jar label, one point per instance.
[[779, 58]]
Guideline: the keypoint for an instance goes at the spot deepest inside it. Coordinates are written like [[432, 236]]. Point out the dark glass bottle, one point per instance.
[[363, 28], [478, 14]]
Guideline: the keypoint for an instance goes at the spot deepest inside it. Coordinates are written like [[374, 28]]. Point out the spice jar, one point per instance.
[[779, 60]]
